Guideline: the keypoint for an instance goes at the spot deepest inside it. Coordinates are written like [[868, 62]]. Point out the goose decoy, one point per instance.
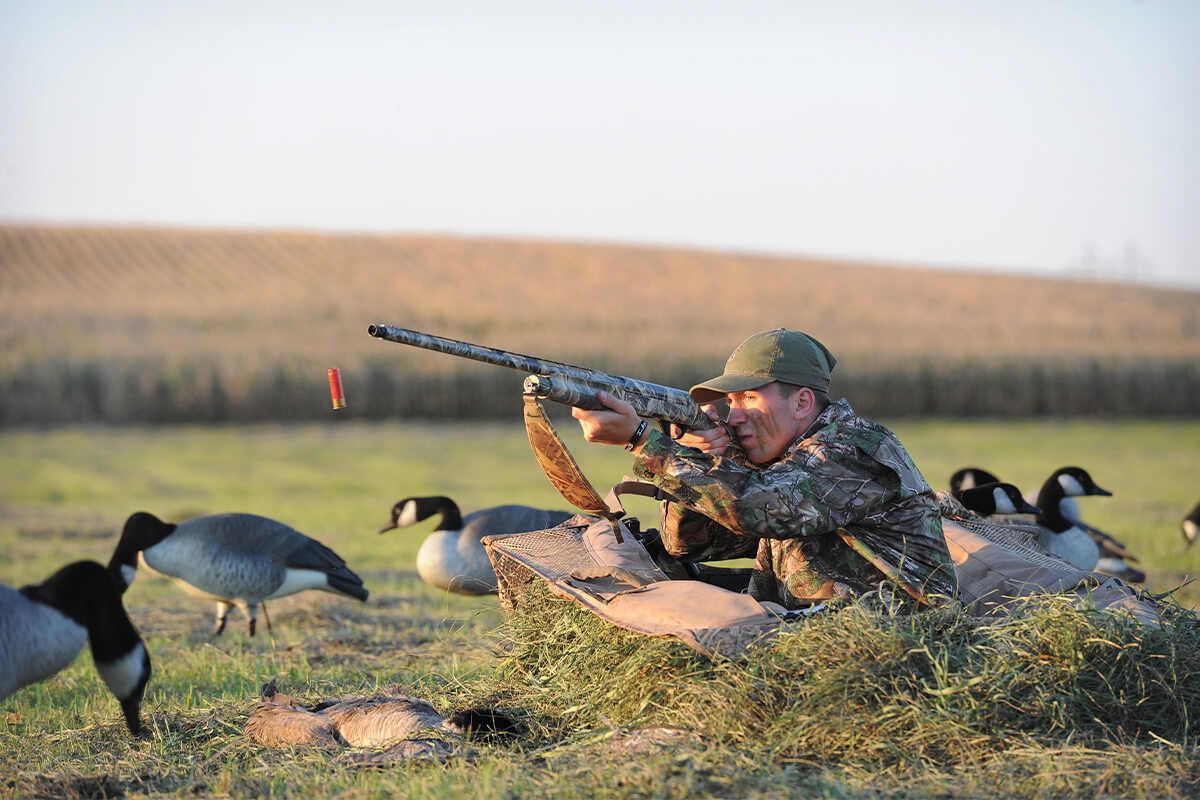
[[234, 559], [1191, 525], [1060, 490], [452, 557], [993, 498], [280, 720], [44, 626], [969, 478]]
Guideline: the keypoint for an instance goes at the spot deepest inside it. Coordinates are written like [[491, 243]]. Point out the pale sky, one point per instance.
[[1046, 136]]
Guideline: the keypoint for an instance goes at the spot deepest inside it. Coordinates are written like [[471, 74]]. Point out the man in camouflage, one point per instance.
[[831, 503]]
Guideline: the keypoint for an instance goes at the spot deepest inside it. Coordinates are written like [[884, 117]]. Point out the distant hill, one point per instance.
[[208, 320]]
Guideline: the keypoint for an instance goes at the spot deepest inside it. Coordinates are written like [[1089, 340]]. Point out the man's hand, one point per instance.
[[712, 440], [613, 426]]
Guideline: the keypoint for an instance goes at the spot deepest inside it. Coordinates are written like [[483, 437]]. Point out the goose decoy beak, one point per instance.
[[398, 511], [131, 707]]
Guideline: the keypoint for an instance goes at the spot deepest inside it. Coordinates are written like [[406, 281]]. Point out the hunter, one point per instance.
[[829, 503]]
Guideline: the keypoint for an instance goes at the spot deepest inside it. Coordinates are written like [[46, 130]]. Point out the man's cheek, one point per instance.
[[765, 428]]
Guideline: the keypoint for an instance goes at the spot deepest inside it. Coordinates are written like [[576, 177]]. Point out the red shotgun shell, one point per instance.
[[335, 389]]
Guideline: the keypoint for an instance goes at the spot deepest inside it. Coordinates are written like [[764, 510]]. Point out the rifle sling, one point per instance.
[[561, 468]]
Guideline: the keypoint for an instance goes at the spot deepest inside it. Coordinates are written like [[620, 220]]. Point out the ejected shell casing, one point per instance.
[[335, 389]]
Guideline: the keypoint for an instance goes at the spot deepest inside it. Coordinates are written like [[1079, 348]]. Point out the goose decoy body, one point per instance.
[[44, 626], [1060, 490], [452, 557], [989, 499], [234, 559], [969, 478], [1191, 525], [1065, 539]]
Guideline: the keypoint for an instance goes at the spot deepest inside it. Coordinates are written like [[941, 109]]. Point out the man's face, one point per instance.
[[766, 421]]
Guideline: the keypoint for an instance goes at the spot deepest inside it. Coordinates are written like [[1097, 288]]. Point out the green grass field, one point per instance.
[[65, 493]]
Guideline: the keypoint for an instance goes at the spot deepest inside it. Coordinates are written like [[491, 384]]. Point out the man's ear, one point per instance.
[[805, 401]]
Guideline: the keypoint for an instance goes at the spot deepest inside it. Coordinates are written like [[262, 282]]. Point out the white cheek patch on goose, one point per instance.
[[129, 572], [123, 675], [408, 515], [1071, 486]]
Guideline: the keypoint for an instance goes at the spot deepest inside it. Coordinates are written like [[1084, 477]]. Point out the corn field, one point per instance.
[[119, 326]]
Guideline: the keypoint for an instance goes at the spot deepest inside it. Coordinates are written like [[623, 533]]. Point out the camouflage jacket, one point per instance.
[[842, 511]]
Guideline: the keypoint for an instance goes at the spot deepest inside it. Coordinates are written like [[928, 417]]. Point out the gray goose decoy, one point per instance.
[[44, 626], [234, 559], [452, 557]]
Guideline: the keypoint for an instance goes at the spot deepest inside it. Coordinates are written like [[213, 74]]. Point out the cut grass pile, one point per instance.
[[860, 685]]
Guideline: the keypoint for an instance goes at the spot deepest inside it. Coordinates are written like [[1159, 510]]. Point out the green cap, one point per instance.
[[778, 355]]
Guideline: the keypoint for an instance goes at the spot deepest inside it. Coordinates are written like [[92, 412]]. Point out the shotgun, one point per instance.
[[564, 383]]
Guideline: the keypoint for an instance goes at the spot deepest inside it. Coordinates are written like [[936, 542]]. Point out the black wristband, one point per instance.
[[637, 435]]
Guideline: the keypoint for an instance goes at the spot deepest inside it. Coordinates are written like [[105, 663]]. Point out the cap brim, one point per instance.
[[718, 387]]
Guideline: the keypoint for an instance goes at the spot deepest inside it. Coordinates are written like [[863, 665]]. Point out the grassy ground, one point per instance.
[[65, 493]]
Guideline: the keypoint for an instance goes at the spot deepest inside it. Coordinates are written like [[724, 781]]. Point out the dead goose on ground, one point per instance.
[[405, 727]]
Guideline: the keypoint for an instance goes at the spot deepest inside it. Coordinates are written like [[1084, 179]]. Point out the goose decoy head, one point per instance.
[[996, 498], [400, 511], [1076, 482], [141, 530], [1191, 525], [412, 510]]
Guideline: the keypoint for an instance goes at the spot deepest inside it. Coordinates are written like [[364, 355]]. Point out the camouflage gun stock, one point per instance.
[[564, 383]]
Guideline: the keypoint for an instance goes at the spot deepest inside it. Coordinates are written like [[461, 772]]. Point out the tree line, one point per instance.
[[123, 390]]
